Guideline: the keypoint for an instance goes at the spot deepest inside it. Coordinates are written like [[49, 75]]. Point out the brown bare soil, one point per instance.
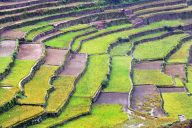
[[7, 47], [12, 34], [55, 57], [174, 89], [149, 65], [175, 70], [75, 65], [147, 99], [187, 21], [113, 98], [29, 51]]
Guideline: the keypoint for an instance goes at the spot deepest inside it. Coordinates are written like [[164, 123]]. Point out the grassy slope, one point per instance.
[[7, 94], [19, 71], [181, 56], [148, 36], [76, 43], [121, 49], [93, 77], [19, 113], [102, 116], [86, 87], [175, 105], [76, 106], [157, 49], [189, 75], [36, 89], [63, 87], [4, 62], [100, 45], [151, 77], [119, 77]]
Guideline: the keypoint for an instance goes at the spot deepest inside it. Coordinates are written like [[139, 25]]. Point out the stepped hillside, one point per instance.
[[95, 63]]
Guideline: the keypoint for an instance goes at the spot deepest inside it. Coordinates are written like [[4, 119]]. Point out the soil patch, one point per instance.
[[175, 89], [149, 65], [175, 70], [190, 56], [12, 34], [55, 57], [113, 98], [147, 99], [187, 21], [75, 65], [29, 51], [7, 47]]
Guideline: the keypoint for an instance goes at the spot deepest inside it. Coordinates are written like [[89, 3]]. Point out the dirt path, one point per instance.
[[12, 34], [147, 99], [55, 57], [29, 51], [149, 65], [175, 89], [175, 70], [7, 47], [113, 98], [75, 65]]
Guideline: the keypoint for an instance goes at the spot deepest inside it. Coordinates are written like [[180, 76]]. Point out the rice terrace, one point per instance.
[[95, 63]]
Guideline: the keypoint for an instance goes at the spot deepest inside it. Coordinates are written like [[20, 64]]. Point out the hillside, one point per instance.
[[95, 63]]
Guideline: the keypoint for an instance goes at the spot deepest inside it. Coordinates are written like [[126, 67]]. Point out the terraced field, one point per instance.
[[95, 64]]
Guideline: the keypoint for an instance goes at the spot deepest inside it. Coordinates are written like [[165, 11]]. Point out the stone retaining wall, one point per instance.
[[22, 4], [159, 4], [92, 18], [26, 15]]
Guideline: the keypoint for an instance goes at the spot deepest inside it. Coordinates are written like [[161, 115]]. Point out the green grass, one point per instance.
[[64, 40], [181, 56], [18, 114], [4, 62], [35, 32], [30, 27], [6, 94], [154, 77], [76, 43], [177, 103], [121, 49], [189, 77], [119, 77], [20, 70], [36, 89], [63, 87], [76, 106], [100, 45], [96, 72], [157, 49], [148, 36], [86, 87], [102, 116]]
